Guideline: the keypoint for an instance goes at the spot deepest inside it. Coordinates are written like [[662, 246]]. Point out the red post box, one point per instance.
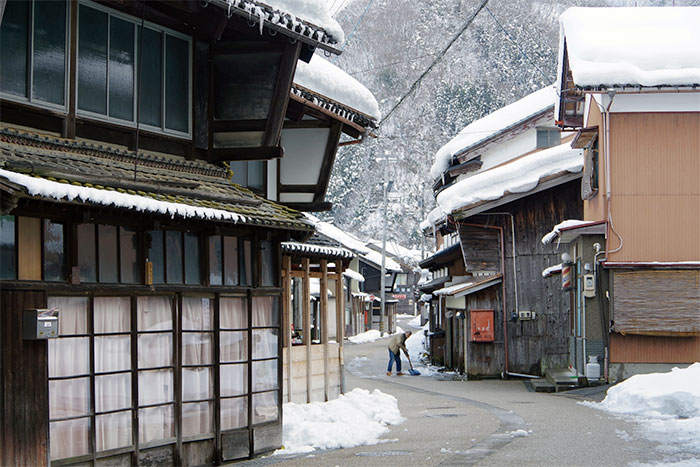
[[482, 322]]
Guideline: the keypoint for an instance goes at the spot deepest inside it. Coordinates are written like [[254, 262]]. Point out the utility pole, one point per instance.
[[382, 278]]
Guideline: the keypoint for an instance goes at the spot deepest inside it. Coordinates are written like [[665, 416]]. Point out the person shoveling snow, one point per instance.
[[396, 344]]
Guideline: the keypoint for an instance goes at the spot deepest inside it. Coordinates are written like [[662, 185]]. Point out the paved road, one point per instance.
[[486, 423]]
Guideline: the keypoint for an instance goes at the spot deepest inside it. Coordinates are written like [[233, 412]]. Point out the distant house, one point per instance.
[[499, 183], [628, 84], [145, 217], [404, 290]]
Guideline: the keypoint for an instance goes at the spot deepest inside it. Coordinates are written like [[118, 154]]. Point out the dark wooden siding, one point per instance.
[[486, 358], [544, 341], [24, 410], [481, 248]]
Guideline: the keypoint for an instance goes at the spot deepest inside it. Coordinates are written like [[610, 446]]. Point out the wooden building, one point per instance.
[[497, 191], [641, 136], [122, 126]]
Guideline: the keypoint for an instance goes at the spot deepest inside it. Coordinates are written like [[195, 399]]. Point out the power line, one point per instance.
[[387, 65], [357, 24], [518, 46], [437, 59]]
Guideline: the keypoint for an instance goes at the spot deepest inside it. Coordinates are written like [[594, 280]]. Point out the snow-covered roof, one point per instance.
[[407, 255], [354, 275], [650, 46], [466, 288], [323, 77], [318, 250], [491, 125], [308, 20], [571, 224], [353, 243], [41, 187], [436, 216], [517, 176], [349, 241]]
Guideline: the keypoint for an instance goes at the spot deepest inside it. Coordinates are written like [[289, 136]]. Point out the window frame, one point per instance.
[[29, 99], [164, 31]]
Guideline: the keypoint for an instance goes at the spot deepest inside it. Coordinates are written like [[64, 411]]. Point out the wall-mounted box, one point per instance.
[[524, 315], [482, 325], [40, 324], [588, 285]]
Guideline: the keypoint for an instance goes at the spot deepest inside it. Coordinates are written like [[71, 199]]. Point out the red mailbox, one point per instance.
[[482, 325]]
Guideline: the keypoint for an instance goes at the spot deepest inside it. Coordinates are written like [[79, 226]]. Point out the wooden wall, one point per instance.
[[653, 349], [655, 189], [318, 368], [544, 341], [594, 208], [485, 358], [24, 394]]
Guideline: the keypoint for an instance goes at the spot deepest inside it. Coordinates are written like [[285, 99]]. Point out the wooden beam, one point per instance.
[[278, 108], [306, 320], [328, 160], [69, 122], [260, 153], [340, 320], [324, 325], [309, 207], [298, 188], [315, 275], [287, 319]]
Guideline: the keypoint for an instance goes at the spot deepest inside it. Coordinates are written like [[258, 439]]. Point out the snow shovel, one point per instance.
[[412, 371]]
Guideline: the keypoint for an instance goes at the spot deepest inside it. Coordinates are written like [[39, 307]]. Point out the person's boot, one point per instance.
[[399, 374], [388, 373]]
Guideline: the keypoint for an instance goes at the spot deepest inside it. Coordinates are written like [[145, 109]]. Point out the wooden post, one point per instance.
[[287, 319], [324, 324], [340, 320], [306, 310]]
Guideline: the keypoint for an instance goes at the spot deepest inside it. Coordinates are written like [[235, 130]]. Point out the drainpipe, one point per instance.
[[604, 324]]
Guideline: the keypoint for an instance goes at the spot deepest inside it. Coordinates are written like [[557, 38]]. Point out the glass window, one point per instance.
[[177, 54], [233, 313], [8, 255], [128, 256], [173, 257], [234, 413], [230, 260], [215, 265], [250, 174], [14, 44], [246, 263], [265, 407], [121, 69], [107, 253], [92, 60], [87, 257], [268, 265], [69, 396], [49, 54], [151, 87], [156, 255], [53, 251], [197, 418], [192, 271]]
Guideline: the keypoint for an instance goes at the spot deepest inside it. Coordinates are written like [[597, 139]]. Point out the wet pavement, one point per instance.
[[450, 421]]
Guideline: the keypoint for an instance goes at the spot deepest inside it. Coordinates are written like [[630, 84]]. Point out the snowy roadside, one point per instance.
[[666, 408], [357, 418]]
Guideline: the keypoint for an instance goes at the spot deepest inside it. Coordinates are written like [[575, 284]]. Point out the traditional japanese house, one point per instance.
[[123, 238], [404, 290], [498, 183], [634, 253]]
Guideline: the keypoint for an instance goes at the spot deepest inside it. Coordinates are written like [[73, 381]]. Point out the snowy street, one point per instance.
[[488, 423]]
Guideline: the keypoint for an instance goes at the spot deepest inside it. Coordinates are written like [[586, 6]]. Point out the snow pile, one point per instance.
[[550, 271], [407, 255], [357, 418], [367, 336], [329, 230], [549, 238], [638, 46], [495, 122], [667, 406], [416, 343], [415, 322], [322, 77], [436, 216], [36, 186], [518, 176], [354, 275]]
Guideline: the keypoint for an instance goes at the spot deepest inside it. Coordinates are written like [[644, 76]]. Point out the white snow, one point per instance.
[[488, 126], [518, 176], [331, 231], [315, 12], [665, 405], [322, 77], [549, 238], [317, 249], [354, 275], [357, 418], [648, 46], [452, 289], [65, 192], [407, 255], [367, 336], [436, 216], [375, 257], [415, 322]]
